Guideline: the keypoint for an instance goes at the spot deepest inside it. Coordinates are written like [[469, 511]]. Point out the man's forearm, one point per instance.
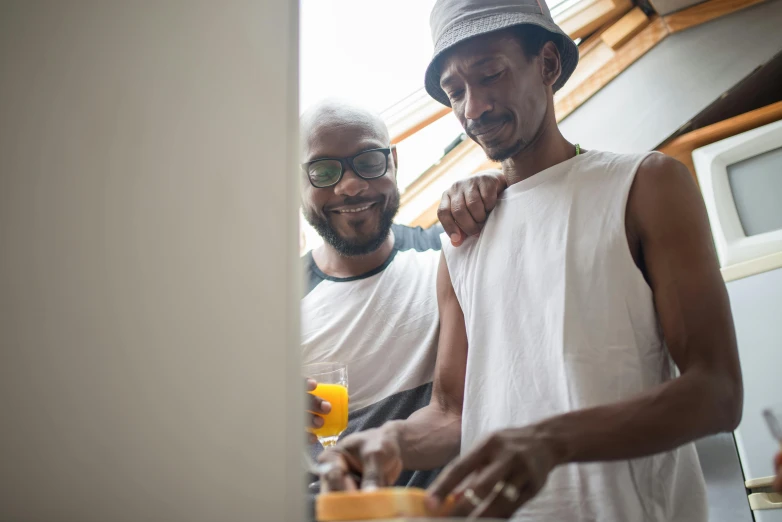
[[680, 411], [429, 438]]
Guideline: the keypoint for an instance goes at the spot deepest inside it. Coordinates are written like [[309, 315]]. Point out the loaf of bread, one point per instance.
[[342, 506]]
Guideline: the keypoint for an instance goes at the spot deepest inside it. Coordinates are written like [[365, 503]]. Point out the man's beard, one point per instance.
[[355, 247], [475, 128], [506, 153]]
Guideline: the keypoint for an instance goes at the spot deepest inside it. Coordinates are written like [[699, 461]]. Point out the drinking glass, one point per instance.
[[332, 379]]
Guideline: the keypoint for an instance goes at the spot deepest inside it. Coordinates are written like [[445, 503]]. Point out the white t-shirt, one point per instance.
[[384, 325]]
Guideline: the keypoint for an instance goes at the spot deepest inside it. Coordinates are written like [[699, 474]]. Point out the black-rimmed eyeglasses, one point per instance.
[[367, 164]]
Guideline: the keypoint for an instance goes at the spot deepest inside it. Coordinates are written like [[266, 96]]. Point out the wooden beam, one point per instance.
[[417, 126], [681, 147], [573, 10], [589, 63], [704, 12], [589, 20], [585, 47], [650, 36], [628, 26]]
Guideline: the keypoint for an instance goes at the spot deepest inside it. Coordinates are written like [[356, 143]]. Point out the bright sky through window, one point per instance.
[[372, 52]]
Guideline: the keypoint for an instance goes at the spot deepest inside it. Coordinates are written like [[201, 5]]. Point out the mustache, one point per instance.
[[485, 123], [354, 200]]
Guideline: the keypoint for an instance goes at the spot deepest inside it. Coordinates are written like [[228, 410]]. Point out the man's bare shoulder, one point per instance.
[[660, 175], [664, 197]]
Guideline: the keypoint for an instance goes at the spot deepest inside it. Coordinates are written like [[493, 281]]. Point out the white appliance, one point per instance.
[[756, 303], [741, 182]]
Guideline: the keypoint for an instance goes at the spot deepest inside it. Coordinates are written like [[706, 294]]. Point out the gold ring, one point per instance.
[[471, 497], [511, 493]]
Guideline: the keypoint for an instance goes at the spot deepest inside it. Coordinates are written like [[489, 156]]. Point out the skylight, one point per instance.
[[371, 52]]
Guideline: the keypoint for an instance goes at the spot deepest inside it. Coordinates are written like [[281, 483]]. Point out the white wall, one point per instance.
[[148, 262], [676, 80]]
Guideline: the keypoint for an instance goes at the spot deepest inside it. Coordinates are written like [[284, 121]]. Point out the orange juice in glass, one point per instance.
[[332, 379]]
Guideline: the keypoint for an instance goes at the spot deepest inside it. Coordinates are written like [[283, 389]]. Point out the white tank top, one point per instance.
[[559, 318]]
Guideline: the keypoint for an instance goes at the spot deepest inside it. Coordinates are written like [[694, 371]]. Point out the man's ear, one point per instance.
[[551, 64], [396, 161]]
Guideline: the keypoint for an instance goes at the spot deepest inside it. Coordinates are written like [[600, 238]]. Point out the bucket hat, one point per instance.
[[454, 21]]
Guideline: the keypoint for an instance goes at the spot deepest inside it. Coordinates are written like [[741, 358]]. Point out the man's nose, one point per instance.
[[475, 104], [351, 184]]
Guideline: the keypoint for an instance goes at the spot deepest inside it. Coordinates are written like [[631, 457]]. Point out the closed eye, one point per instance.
[[455, 95], [492, 78]]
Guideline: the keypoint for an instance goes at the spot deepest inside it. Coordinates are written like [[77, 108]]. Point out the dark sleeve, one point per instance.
[[409, 238], [312, 276]]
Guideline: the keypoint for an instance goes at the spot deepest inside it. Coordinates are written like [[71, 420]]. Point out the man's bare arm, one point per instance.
[[431, 436], [670, 235]]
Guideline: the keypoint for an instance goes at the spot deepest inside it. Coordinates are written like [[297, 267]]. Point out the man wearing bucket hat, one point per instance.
[[561, 323]]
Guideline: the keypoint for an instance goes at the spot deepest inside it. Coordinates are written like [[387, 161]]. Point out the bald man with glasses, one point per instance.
[[370, 299]]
